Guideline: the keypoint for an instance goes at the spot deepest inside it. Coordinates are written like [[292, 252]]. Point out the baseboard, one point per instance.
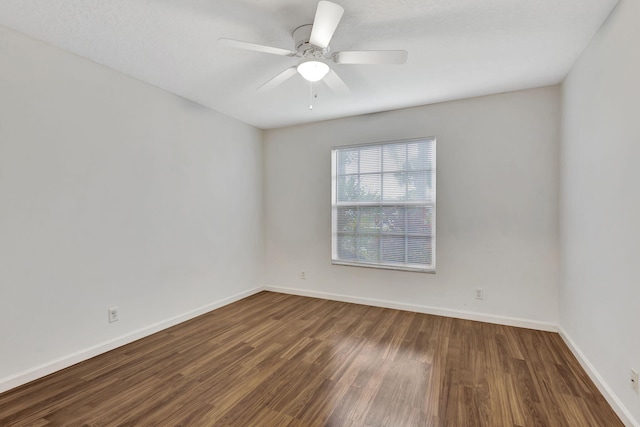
[[597, 379], [603, 387], [40, 371], [459, 314]]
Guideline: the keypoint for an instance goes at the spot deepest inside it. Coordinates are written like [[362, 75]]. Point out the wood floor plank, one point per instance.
[[282, 360]]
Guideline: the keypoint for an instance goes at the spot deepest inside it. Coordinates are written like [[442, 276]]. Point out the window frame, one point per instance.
[[431, 268]]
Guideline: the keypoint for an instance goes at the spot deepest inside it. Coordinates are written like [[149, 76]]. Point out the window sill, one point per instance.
[[385, 267]]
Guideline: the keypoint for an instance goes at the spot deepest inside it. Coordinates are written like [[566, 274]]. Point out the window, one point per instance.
[[384, 205]]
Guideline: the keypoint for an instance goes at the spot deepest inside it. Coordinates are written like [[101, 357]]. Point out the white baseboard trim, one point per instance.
[[45, 369], [40, 371], [597, 379], [460, 314], [603, 387]]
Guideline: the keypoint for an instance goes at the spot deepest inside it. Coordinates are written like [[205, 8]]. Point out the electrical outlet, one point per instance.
[[479, 293], [303, 275], [113, 314], [634, 380]]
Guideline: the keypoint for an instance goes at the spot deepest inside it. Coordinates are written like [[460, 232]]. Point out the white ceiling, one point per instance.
[[457, 48]]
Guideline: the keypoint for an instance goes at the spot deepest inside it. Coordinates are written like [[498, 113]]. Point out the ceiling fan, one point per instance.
[[311, 43]]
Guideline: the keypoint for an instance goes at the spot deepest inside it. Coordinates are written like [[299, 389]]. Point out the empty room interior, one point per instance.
[[319, 213]]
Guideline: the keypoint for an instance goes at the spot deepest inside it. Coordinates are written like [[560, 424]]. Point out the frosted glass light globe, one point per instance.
[[313, 70]]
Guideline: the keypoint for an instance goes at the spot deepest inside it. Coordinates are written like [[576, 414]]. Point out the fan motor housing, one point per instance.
[[301, 36]]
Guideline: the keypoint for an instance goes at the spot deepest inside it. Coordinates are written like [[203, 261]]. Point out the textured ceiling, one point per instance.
[[457, 48]]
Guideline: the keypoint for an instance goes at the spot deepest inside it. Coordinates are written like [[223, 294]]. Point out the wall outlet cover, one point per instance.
[[113, 314]]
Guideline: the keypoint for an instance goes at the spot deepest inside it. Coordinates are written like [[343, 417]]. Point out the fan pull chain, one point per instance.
[[312, 95]]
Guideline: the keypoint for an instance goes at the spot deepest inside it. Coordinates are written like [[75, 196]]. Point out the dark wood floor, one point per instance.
[[282, 360]]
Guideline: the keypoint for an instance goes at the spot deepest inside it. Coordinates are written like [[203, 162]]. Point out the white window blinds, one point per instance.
[[384, 205]]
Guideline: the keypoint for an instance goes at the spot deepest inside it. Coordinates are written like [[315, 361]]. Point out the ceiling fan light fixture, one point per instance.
[[313, 70]]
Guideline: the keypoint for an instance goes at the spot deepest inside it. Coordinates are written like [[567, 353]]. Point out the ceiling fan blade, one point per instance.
[[256, 47], [327, 18], [336, 84], [278, 80], [371, 57]]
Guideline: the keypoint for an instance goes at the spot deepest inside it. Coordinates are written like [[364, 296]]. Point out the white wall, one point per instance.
[[113, 193], [497, 208], [600, 209]]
